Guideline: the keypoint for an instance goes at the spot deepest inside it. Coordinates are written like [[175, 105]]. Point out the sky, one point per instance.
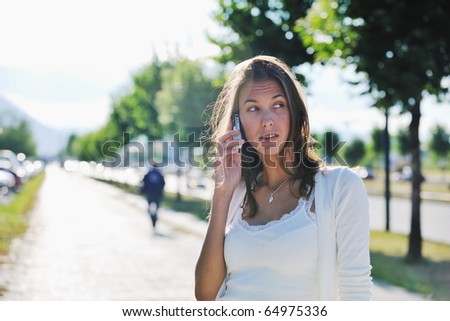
[[62, 60]]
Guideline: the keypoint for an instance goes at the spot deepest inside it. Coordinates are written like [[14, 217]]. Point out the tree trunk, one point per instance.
[[415, 236], [387, 169]]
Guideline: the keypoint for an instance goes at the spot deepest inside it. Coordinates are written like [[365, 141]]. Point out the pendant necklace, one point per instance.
[[273, 193]]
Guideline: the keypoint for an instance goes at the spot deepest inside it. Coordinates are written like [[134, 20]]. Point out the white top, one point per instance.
[[274, 261], [342, 217]]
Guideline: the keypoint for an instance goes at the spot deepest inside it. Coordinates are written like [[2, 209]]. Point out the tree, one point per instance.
[[440, 141], [377, 140], [440, 145], [378, 144], [18, 138], [403, 141], [134, 112], [261, 27], [331, 144], [69, 150], [402, 48], [185, 93], [381, 145], [354, 152]]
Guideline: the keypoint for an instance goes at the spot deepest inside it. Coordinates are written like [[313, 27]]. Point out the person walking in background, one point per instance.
[[153, 189], [282, 226]]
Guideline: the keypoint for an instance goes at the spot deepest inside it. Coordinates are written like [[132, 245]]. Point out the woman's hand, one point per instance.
[[228, 163]]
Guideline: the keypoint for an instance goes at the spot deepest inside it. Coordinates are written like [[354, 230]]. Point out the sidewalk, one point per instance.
[[91, 241]]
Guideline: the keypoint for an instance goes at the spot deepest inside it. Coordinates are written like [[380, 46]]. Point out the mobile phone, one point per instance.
[[236, 125]]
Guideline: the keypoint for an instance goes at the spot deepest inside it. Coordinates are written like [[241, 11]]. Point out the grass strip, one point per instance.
[[431, 277], [189, 204], [193, 205], [13, 219]]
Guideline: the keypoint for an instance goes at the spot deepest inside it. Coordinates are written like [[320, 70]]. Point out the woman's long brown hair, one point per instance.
[[301, 160]]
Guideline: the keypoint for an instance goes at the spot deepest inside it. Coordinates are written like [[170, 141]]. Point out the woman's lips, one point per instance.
[[268, 138]]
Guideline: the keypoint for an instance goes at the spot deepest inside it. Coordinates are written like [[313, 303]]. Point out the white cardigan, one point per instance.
[[342, 212]]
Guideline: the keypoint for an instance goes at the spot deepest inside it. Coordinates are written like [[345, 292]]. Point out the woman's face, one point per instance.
[[265, 116]]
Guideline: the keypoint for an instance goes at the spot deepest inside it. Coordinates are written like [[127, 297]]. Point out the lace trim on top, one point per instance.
[[302, 203]]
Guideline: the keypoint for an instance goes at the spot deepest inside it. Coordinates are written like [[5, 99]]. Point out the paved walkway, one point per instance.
[[90, 241]]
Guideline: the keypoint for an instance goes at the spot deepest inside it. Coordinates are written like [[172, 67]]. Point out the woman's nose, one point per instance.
[[267, 120]]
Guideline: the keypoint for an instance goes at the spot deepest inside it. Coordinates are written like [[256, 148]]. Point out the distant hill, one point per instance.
[[49, 140]]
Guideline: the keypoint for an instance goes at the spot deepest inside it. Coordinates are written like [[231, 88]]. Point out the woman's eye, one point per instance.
[[252, 108], [278, 105]]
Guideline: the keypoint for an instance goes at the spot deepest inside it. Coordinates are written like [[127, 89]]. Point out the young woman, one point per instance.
[[282, 225]]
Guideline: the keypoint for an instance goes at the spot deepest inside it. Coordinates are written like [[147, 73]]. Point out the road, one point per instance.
[[88, 240], [435, 216]]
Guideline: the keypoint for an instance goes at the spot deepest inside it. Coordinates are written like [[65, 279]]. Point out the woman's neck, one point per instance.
[[273, 175]]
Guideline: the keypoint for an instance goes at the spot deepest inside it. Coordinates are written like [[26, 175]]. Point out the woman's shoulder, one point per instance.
[[332, 171], [240, 188], [337, 173]]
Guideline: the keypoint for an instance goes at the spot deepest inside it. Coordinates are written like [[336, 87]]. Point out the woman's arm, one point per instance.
[[352, 238], [210, 269]]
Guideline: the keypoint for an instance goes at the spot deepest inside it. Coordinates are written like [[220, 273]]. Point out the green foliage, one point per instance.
[[403, 141], [384, 38], [440, 141], [18, 138], [261, 27], [184, 95], [374, 148], [71, 145], [193, 205], [378, 140], [89, 147], [406, 39], [135, 112], [163, 98], [325, 33], [355, 152], [329, 145]]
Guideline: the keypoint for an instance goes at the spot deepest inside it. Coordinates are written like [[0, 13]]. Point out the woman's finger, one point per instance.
[[232, 144], [228, 135]]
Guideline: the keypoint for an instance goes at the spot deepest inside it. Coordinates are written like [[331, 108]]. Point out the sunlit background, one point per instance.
[[61, 61], [76, 75]]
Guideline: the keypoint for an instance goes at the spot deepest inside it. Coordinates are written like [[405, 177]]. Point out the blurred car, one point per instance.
[[196, 178], [406, 174], [365, 172], [10, 164], [8, 182]]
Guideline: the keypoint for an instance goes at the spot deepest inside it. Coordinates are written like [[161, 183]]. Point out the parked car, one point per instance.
[[8, 182], [7, 165]]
